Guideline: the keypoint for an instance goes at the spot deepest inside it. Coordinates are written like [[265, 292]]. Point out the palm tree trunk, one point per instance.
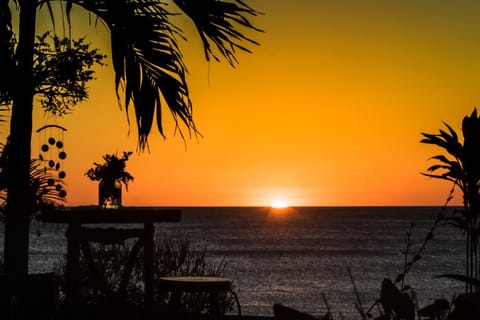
[[19, 201]]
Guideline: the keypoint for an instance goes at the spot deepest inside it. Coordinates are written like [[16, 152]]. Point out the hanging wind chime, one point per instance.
[[52, 154]]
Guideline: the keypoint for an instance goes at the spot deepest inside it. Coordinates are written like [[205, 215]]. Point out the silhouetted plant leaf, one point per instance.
[[42, 186], [399, 278], [441, 177], [393, 301], [435, 310], [147, 60], [215, 22], [441, 158], [460, 277]]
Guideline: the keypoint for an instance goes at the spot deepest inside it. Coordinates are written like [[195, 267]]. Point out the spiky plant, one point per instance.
[[461, 166]]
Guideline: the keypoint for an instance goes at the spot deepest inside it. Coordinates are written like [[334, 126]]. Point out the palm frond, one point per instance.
[[219, 22], [433, 139], [442, 159], [435, 167], [48, 4], [452, 132], [453, 146], [147, 61], [460, 277], [447, 141], [438, 176], [45, 188]]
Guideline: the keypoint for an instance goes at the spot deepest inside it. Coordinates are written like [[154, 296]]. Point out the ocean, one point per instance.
[[297, 256]]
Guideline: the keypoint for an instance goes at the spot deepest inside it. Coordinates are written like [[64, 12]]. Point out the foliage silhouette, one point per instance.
[[61, 72], [61, 69], [46, 190], [112, 169], [462, 168], [111, 175], [148, 66]]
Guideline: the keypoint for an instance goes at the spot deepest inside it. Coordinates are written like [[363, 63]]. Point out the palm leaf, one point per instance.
[[449, 142], [44, 187], [453, 172], [434, 139], [453, 146], [218, 22], [147, 62], [435, 167], [452, 132], [442, 159], [437, 176], [461, 278]]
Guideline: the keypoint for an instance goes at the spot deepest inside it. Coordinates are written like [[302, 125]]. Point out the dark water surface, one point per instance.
[[292, 256]]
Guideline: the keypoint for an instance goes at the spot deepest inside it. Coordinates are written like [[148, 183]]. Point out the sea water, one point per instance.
[[304, 257]]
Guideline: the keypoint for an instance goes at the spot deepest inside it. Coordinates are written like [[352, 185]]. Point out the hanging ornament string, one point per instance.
[[52, 153]]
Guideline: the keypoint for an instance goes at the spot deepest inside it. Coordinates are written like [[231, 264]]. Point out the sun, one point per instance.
[[279, 204]]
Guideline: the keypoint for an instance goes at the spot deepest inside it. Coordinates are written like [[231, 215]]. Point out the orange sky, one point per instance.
[[327, 111]]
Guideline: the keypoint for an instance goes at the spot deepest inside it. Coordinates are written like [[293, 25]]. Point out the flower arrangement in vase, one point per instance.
[[111, 175]]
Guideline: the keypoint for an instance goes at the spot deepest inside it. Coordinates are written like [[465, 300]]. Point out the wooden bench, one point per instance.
[[215, 287]]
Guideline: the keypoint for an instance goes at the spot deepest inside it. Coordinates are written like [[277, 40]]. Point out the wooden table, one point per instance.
[[214, 286], [76, 234]]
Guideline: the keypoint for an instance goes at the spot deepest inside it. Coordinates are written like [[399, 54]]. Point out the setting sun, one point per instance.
[[279, 204]]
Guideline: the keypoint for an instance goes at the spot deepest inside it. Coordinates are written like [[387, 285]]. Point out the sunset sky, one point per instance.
[[328, 110]]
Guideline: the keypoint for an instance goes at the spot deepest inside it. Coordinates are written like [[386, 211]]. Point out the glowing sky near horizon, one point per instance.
[[327, 111]]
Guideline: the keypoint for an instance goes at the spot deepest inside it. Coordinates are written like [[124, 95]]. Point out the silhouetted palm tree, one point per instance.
[[148, 69]]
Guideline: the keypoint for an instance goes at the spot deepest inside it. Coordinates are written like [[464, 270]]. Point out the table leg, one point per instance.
[[73, 264], [217, 305], [174, 304], [148, 268]]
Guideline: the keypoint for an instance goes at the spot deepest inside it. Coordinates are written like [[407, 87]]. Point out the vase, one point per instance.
[[110, 194]]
